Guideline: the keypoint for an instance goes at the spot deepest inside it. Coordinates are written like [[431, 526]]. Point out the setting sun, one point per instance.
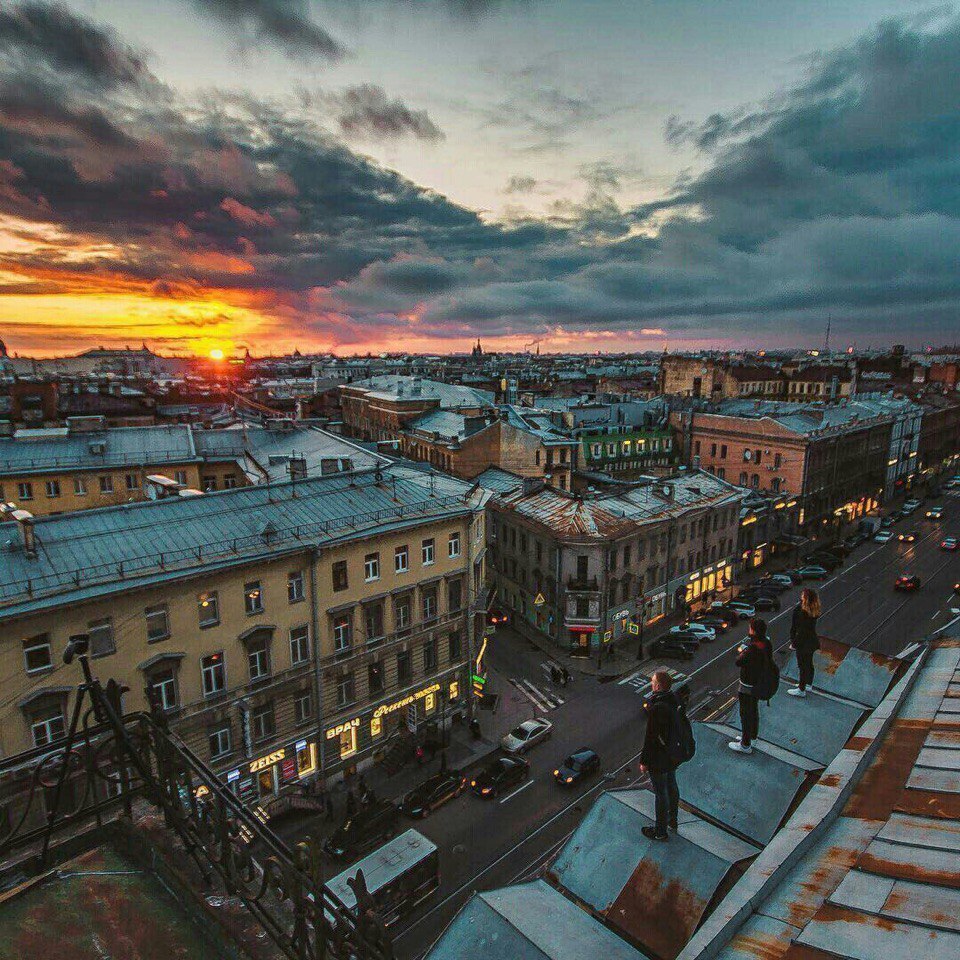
[[216, 354]]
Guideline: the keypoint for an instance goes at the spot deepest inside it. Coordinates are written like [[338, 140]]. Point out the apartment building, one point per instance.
[[580, 569], [290, 630]]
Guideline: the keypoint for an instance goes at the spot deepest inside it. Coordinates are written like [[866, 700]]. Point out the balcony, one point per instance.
[[583, 584]]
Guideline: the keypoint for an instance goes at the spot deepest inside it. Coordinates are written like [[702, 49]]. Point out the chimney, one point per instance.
[[28, 536], [532, 485]]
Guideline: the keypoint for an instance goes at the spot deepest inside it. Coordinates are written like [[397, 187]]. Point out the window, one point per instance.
[[208, 605], [430, 655], [747, 455], [454, 595], [583, 607], [229, 483], [80, 486], [453, 546], [253, 597], [164, 682], [582, 568], [299, 644], [373, 621], [404, 667], [37, 653], [722, 473], [208, 483], [133, 481], [101, 637], [339, 571], [371, 567], [401, 559], [743, 479], [158, 623], [302, 707], [755, 480], [455, 645], [342, 632], [180, 476], [295, 592], [219, 741], [375, 677], [258, 659], [429, 598], [713, 449], [48, 726], [263, 722], [696, 447], [626, 556], [24, 490], [212, 674], [426, 552], [53, 488], [401, 613], [345, 690], [106, 484], [777, 461], [723, 451]]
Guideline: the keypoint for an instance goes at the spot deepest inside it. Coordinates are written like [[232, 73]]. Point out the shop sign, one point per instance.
[[386, 708], [269, 760], [340, 727], [289, 768]]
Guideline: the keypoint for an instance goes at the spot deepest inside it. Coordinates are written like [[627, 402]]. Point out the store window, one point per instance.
[[348, 742], [306, 758]]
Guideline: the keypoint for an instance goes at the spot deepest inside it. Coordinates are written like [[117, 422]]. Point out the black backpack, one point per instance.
[[681, 746], [768, 683]]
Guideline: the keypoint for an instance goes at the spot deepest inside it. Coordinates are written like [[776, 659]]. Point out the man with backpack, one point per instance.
[[668, 743], [759, 680]]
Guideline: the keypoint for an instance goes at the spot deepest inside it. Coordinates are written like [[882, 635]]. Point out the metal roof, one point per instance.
[[498, 481], [654, 894], [531, 921], [395, 387]]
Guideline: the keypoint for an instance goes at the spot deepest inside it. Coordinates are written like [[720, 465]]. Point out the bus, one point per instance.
[[399, 875]]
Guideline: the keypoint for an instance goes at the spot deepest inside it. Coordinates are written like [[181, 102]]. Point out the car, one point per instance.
[[908, 536], [669, 648], [935, 513], [724, 609], [433, 793], [371, 826], [823, 559], [503, 773], [855, 539], [743, 609], [948, 543], [719, 624], [705, 633], [814, 572], [769, 585], [907, 582], [758, 590], [765, 603], [794, 575], [528, 734], [578, 766], [886, 523], [884, 536], [911, 504], [782, 578], [497, 617], [689, 638]]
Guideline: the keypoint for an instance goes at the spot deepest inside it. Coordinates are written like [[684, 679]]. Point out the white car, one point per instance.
[[700, 629], [782, 579], [745, 610], [528, 734], [883, 536]]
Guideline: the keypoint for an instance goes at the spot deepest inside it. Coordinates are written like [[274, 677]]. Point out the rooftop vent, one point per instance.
[[97, 447], [28, 536], [268, 531]]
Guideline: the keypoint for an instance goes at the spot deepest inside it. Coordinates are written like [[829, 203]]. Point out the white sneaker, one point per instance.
[[739, 747], [797, 692]]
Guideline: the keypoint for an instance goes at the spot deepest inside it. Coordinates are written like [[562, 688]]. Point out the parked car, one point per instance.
[[855, 539], [503, 773], [883, 536], [948, 543], [528, 734], [782, 578], [689, 638], [725, 610], [765, 603], [371, 826], [719, 624], [907, 582], [669, 648], [578, 766], [794, 575], [908, 536], [821, 558], [814, 572], [705, 633], [433, 793], [497, 617], [769, 585], [743, 609], [935, 513]]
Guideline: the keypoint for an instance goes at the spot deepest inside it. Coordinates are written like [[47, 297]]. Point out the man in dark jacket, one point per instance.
[[655, 757], [751, 658]]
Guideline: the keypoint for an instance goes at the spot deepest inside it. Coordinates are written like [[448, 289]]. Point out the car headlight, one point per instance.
[[485, 790], [556, 773], [569, 779], [473, 783]]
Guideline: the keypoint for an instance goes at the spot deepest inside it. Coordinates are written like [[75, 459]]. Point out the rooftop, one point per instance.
[[451, 395]]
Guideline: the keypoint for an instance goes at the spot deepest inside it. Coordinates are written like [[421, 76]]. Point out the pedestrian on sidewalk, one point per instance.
[[351, 804], [328, 806], [754, 658], [804, 640], [656, 758]]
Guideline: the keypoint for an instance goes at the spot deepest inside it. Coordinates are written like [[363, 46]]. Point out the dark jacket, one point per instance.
[[750, 662], [661, 713], [803, 630]]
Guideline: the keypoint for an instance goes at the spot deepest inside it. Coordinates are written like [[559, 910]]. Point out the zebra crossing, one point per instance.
[[542, 699], [640, 679]]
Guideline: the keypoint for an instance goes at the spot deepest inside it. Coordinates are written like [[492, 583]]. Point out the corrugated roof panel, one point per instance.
[[850, 673], [900, 900]]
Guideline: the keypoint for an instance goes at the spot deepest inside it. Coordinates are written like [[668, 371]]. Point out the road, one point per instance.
[[487, 844]]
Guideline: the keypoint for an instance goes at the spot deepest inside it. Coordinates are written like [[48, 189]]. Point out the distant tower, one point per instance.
[[477, 351], [3, 350], [826, 339]]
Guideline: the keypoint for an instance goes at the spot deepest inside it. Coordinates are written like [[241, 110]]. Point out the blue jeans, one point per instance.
[[667, 797]]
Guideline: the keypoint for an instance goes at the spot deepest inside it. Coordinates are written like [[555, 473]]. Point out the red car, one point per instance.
[[948, 543], [907, 582], [497, 617]]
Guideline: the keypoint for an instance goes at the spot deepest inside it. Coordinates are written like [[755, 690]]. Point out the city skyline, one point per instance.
[[216, 176]]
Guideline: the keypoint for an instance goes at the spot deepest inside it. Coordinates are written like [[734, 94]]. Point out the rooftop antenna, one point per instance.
[[826, 339]]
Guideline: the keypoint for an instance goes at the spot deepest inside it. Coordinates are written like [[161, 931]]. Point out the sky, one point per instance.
[[382, 175]]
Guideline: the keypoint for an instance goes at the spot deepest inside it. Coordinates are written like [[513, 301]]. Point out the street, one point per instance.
[[486, 844]]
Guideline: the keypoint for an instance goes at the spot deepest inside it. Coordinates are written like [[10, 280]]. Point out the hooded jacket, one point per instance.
[[803, 630], [750, 662], [661, 712]]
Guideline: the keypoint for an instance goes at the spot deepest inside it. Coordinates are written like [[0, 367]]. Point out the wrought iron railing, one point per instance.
[[110, 760]]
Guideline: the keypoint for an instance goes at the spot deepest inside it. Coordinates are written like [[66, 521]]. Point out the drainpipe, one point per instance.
[[314, 556]]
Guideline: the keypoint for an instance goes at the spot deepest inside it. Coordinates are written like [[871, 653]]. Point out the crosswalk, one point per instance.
[[542, 699], [640, 679]]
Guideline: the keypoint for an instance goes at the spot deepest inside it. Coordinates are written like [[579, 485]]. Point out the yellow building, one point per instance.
[[289, 629]]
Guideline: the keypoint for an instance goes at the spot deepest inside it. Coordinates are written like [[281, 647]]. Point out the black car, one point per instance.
[[578, 766], [822, 559], [502, 774], [759, 590], [670, 649], [689, 638], [719, 622], [768, 583], [371, 826], [908, 583], [433, 793], [763, 602]]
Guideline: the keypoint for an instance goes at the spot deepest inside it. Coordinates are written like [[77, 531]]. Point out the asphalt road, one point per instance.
[[490, 843]]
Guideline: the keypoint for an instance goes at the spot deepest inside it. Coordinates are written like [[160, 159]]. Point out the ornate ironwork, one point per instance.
[[108, 760]]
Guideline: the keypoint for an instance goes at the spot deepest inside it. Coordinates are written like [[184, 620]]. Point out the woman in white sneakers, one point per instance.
[[803, 639]]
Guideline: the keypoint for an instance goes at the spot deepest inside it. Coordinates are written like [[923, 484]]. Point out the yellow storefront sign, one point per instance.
[[269, 760]]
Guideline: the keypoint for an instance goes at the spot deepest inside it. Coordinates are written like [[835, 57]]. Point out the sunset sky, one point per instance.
[[412, 174]]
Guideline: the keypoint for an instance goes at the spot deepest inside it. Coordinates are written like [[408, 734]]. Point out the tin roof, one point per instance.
[[395, 387], [531, 921]]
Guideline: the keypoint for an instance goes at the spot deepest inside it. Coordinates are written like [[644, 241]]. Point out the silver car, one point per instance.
[[527, 735]]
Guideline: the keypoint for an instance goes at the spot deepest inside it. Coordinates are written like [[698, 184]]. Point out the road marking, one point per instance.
[[937, 614], [510, 796], [541, 700]]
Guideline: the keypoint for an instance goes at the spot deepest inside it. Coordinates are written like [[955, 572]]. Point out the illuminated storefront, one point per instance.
[[709, 581], [268, 775]]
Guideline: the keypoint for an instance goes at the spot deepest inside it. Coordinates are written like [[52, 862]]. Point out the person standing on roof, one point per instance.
[[656, 759], [804, 640], [753, 659]]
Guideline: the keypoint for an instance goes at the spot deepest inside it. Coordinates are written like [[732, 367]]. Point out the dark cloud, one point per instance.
[[284, 22], [365, 112]]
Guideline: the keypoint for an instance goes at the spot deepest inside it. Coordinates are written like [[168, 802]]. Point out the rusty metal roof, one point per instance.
[[653, 894]]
